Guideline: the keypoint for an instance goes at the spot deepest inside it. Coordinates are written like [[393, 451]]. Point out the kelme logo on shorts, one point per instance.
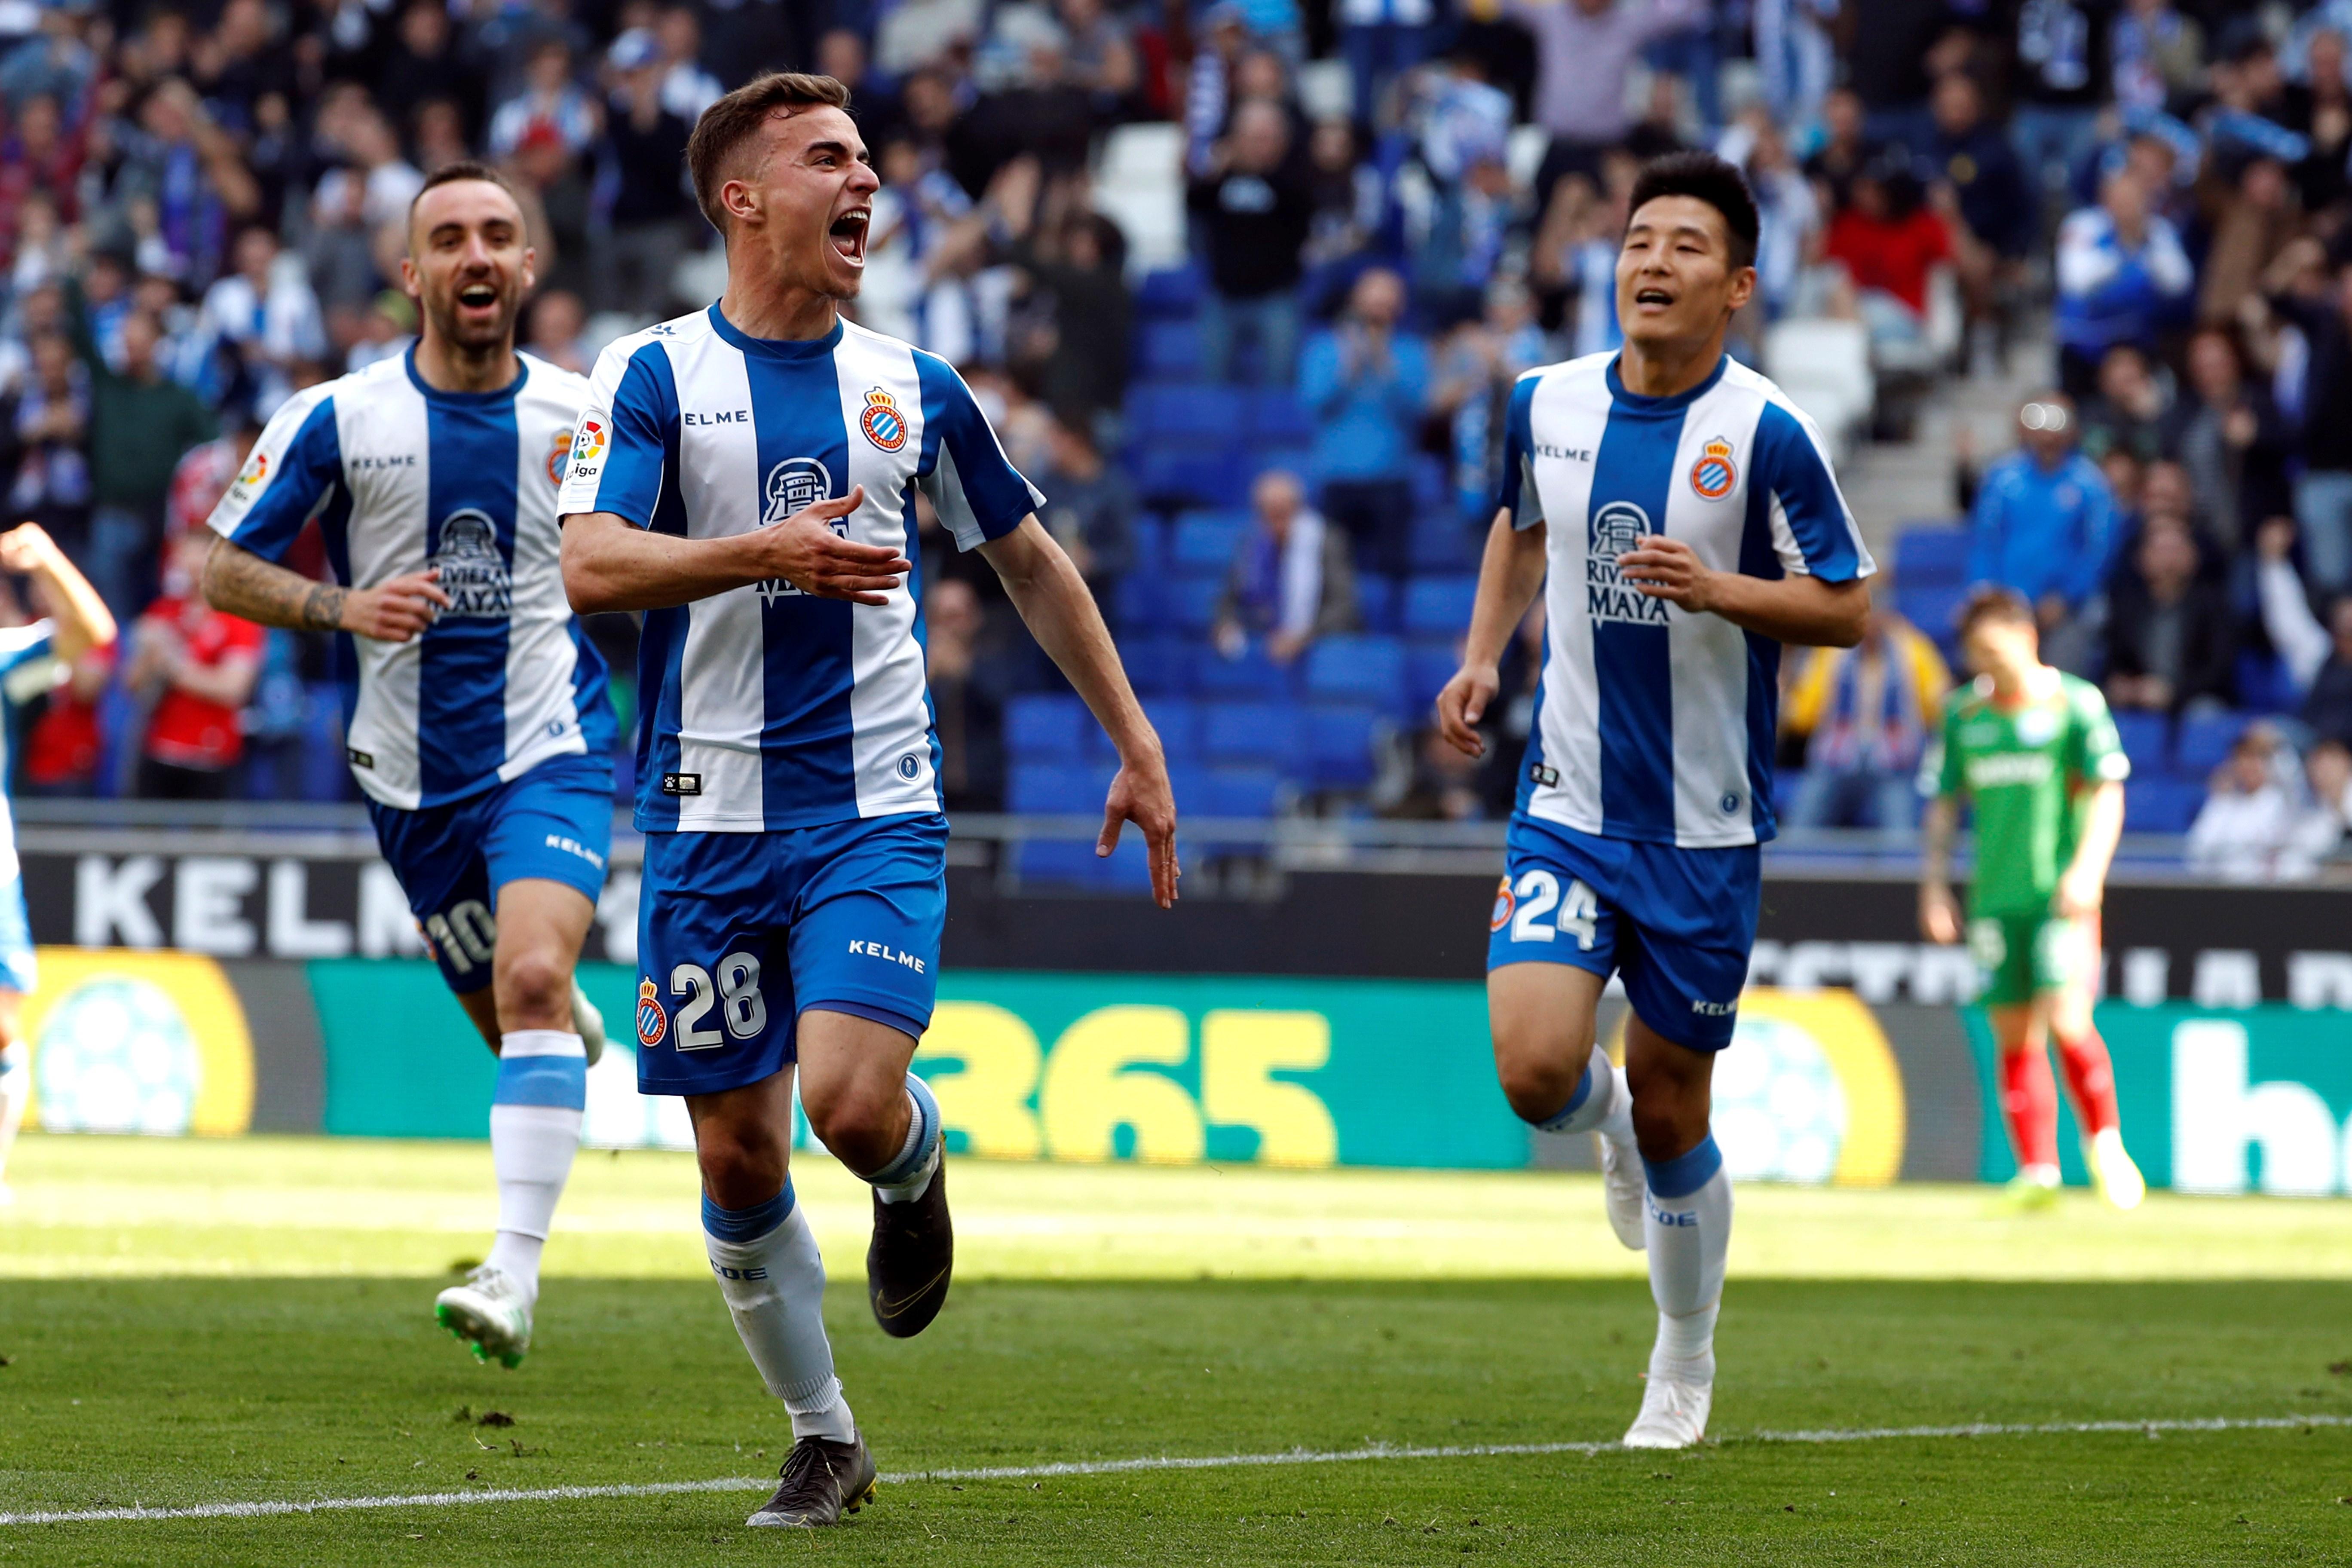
[[652, 1022], [883, 424]]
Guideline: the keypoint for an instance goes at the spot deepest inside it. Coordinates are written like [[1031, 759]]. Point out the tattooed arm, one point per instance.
[[239, 583]]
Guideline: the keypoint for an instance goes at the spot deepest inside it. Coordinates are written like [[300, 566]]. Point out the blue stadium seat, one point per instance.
[[1356, 669], [1169, 349], [2158, 805], [1188, 605], [1440, 541], [1429, 664], [1178, 720], [1170, 292], [2203, 743], [1047, 789], [1158, 666], [2264, 685], [1189, 781], [1152, 543], [1429, 485], [1194, 411], [1931, 606], [1439, 606], [1377, 597], [1931, 556], [1246, 733], [1242, 792], [1202, 543], [2144, 736], [1786, 783], [1046, 728], [1139, 603], [1296, 460], [1181, 474], [1339, 744], [1277, 418], [1073, 864], [1251, 678]]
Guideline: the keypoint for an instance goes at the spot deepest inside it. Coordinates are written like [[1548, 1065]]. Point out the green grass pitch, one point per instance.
[[191, 1323]]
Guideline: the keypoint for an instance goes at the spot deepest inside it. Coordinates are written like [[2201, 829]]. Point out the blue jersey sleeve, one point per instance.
[[288, 478], [975, 488], [1518, 494], [624, 439], [1813, 530]]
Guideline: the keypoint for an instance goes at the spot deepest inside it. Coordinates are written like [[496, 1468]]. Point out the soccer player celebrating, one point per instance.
[[32, 659], [746, 477], [1686, 516], [475, 712], [2035, 752]]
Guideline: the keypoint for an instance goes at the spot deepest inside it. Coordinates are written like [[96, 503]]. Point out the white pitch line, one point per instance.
[[1153, 1462]]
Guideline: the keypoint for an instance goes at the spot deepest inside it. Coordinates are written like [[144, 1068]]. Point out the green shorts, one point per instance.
[[2020, 957]]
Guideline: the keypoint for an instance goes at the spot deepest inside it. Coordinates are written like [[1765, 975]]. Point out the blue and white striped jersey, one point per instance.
[[764, 708], [402, 478], [1653, 724], [27, 671]]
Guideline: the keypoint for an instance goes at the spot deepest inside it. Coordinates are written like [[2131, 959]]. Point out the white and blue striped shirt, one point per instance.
[[402, 477], [1653, 724], [764, 708]]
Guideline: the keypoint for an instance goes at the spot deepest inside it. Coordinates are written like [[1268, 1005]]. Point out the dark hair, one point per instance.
[[1709, 179], [1994, 602], [465, 169], [735, 119]]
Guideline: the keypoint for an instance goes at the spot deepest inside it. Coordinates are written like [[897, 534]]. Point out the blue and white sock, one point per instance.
[[1687, 1223], [908, 1173], [1602, 1102], [768, 1266], [535, 1115]]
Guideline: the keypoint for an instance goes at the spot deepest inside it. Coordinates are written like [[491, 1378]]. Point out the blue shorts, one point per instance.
[[17, 971], [554, 822], [1678, 924], [740, 933]]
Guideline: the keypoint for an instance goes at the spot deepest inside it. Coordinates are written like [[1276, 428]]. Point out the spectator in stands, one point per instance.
[[1477, 368], [644, 147], [427, 63], [2127, 412], [1069, 335], [557, 320], [1291, 581], [551, 99], [1253, 203], [2061, 77], [2121, 274], [2319, 835], [1889, 243], [2318, 658], [1865, 714], [2153, 52], [1584, 49], [265, 315], [2246, 831], [197, 667], [1846, 147], [1089, 507], [2170, 643], [1381, 40], [43, 453], [140, 422], [2323, 493], [2227, 434], [688, 89], [1979, 186], [64, 745], [1367, 381], [2044, 521], [968, 708], [176, 162]]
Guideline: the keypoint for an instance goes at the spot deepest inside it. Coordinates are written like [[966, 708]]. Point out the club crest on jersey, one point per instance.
[[559, 455], [883, 424], [1506, 905], [652, 1022], [1617, 528], [1715, 474], [473, 573]]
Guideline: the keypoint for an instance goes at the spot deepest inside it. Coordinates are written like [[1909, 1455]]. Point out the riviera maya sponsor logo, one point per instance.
[[1617, 527], [559, 456], [653, 1023], [473, 573], [883, 424], [1713, 477]]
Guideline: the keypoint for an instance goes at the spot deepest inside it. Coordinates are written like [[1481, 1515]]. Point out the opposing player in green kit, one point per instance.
[[2035, 752]]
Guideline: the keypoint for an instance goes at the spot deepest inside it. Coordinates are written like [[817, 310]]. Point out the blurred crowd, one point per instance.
[[1338, 228]]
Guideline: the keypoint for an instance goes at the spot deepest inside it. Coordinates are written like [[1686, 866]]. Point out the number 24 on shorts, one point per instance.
[[734, 993], [1535, 910]]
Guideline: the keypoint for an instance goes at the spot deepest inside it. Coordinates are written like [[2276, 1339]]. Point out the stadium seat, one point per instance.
[[1170, 292], [1378, 598], [1048, 789], [1046, 728], [2264, 685], [1356, 669], [1439, 606], [1251, 678], [2203, 743], [1250, 732], [1169, 349], [1189, 603], [1242, 792], [1138, 602], [1152, 543], [1930, 606], [1194, 411], [1073, 864], [1158, 666], [1178, 720], [1931, 556], [1296, 460], [1429, 664], [1440, 541], [1339, 744], [1277, 418], [1428, 487], [2158, 805], [1202, 543], [1190, 475], [2144, 736]]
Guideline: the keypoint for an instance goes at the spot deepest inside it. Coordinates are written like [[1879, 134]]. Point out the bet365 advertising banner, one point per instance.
[[1818, 1086]]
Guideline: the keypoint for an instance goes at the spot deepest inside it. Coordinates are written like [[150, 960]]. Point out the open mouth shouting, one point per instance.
[[1653, 299], [477, 299], [847, 235]]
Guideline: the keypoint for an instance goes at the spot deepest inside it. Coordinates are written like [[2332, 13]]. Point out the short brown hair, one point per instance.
[[735, 119], [1992, 601], [467, 169]]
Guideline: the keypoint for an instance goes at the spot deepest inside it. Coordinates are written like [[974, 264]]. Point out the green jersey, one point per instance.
[[2026, 770]]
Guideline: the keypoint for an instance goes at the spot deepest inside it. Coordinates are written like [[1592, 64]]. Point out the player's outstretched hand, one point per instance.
[[1940, 914], [1464, 702], [1669, 569], [1141, 794], [396, 610], [806, 552]]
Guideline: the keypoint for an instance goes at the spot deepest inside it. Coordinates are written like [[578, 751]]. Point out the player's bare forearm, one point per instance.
[[1798, 608], [611, 565], [239, 583], [1936, 830], [2103, 829], [1061, 613], [1510, 575], [81, 619]]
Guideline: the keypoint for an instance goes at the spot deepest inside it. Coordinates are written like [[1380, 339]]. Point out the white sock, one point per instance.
[[769, 1269], [535, 1115], [1688, 1228], [15, 1089], [1602, 1102], [908, 1175]]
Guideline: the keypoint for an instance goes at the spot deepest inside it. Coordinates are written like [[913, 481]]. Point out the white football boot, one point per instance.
[[1674, 1414], [490, 1313], [588, 1023], [2119, 1180], [1625, 1187]]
